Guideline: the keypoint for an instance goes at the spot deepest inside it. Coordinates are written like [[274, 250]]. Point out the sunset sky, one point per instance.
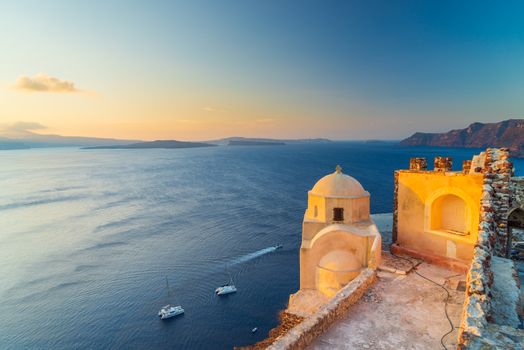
[[196, 70]]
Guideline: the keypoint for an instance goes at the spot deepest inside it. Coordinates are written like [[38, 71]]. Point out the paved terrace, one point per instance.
[[401, 311]]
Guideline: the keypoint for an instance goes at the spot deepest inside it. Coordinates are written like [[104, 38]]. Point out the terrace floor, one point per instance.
[[401, 312]]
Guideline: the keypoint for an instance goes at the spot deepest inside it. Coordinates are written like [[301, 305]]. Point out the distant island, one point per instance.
[[255, 143], [507, 134], [7, 144], [156, 144], [28, 139]]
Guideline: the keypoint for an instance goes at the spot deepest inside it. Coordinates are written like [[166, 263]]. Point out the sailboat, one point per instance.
[[169, 310], [227, 288]]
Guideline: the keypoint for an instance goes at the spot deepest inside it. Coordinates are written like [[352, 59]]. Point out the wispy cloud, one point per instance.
[[25, 126], [215, 109], [20, 128], [45, 83], [188, 121], [265, 120]]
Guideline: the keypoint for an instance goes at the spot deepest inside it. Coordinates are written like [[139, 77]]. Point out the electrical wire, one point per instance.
[[448, 296]]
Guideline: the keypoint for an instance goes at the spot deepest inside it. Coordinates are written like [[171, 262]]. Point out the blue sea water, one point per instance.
[[87, 238]]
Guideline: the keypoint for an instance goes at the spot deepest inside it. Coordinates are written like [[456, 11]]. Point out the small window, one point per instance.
[[338, 214], [315, 211]]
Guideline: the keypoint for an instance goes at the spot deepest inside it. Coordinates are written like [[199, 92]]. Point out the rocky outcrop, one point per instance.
[[509, 134]]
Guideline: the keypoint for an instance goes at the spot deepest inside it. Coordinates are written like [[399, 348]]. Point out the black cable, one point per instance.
[[448, 296]]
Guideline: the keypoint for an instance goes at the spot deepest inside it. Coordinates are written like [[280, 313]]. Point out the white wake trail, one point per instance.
[[254, 255]]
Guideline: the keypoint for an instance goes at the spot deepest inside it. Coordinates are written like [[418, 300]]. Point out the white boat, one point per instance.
[[225, 289], [168, 311]]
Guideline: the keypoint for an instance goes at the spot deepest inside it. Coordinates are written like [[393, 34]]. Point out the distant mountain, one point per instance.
[[28, 139], [156, 144], [255, 143], [31, 140], [508, 133], [6, 143], [251, 140]]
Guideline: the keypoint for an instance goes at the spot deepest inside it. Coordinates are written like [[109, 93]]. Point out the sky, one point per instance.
[[199, 70]]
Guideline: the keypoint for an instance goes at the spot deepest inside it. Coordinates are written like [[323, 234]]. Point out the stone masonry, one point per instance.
[[480, 326]]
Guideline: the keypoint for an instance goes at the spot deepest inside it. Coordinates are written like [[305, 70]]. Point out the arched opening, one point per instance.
[[516, 232], [449, 213], [335, 270], [516, 218]]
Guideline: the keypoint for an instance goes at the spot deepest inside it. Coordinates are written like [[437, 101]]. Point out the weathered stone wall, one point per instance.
[[466, 166], [497, 174], [305, 332], [395, 207], [477, 326], [442, 164], [477, 304], [418, 164]]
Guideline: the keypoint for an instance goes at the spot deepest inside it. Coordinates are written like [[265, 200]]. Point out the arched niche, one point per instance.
[[448, 212]]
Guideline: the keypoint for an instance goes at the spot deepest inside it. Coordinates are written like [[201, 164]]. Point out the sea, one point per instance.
[[89, 237]]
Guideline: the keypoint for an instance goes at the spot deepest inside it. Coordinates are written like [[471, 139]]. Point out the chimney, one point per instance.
[[443, 164], [466, 166], [418, 164]]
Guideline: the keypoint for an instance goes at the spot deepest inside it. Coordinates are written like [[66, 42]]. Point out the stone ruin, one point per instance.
[[492, 306]]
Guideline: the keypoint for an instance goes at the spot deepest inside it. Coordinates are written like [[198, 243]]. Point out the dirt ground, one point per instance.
[[400, 312]]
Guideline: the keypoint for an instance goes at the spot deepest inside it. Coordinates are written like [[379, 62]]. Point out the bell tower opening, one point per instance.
[[338, 214]]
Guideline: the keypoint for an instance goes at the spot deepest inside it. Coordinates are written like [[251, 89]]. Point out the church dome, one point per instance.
[[338, 184]]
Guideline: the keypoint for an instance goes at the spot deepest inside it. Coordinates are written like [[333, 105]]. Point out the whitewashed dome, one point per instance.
[[338, 184]]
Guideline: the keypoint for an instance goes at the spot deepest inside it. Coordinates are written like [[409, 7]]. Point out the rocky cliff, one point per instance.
[[507, 134]]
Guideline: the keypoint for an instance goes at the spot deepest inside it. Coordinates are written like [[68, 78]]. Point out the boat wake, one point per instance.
[[254, 255]]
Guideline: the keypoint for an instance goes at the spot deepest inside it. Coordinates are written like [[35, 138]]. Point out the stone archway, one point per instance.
[[336, 269], [516, 218], [516, 224], [332, 256]]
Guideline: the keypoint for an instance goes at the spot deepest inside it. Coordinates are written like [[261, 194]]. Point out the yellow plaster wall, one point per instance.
[[320, 204], [420, 197]]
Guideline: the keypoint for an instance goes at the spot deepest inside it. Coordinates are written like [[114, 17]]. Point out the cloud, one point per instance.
[[265, 120], [44, 83], [25, 126], [214, 109], [18, 129], [188, 121]]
